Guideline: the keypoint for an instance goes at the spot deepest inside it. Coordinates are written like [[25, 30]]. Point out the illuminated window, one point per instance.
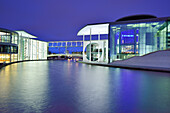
[[4, 58]]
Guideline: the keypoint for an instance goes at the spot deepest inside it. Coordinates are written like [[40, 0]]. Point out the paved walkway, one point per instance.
[[155, 61], [148, 68]]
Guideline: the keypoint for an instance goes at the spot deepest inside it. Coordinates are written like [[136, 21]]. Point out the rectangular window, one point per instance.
[[127, 37], [5, 58], [127, 49]]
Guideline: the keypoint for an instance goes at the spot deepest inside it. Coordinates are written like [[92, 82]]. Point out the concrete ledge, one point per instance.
[[146, 68], [3, 65]]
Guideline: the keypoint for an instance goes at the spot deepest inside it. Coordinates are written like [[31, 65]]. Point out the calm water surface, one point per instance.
[[69, 87]]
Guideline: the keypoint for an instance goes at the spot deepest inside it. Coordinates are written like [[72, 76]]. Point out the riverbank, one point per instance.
[[147, 68], [6, 64], [156, 61]]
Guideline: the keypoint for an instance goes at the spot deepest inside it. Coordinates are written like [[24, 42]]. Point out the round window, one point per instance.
[[96, 52]]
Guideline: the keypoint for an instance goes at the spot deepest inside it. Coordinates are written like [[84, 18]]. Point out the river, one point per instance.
[[70, 87]]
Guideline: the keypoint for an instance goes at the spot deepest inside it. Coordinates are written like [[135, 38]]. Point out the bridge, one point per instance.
[[65, 49]]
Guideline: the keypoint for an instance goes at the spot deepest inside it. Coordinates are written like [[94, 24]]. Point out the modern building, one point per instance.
[[30, 48], [19, 46], [131, 36], [80, 49], [95, 39], [103, 42]]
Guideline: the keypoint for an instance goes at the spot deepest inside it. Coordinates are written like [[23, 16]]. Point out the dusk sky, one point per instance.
[[52, 20]]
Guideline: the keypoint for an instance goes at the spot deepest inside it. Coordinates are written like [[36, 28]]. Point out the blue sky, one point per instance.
[[61, 19]]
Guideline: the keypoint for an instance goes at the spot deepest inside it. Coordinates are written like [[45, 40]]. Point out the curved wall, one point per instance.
[[16, 47]]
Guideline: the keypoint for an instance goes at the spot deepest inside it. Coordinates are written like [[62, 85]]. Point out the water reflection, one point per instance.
[[23, 87], [62, 86], [93, 89]]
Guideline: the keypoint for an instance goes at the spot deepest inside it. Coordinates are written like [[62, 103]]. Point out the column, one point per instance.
[[83, 47], [98, 46], [90, 45], [10, 46], [32, 50]]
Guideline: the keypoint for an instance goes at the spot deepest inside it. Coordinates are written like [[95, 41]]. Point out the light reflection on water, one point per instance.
[[61, 86]]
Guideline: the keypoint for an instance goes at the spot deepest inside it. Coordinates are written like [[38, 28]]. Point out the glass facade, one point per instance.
[[8, 49], [137, 39], [8, 46], [168, 34], [15, 47], [14, 57], [5, 58], [30, 49], [5, 37]]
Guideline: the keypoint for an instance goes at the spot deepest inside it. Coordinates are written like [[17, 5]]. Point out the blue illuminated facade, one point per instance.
[[138, 37]]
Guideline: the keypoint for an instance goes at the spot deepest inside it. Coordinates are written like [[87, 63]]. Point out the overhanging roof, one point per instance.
[[25, 34], [141, 20], [94, 29]]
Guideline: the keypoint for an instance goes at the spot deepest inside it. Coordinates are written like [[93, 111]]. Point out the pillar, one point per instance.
[[90, 45], [98, 47]]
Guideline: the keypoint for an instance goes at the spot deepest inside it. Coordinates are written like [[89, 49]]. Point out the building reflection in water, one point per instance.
[[93, 89], [66, 86], [25, 85]]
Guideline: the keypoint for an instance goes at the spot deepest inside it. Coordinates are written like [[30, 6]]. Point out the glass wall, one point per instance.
[[8, 49], [14, 38], [8, 46], [4, 49], [128, 40], [8, 37], [30, 49], [5, 58], [14, 57], [18, 48], [168, 33], [5, 37]]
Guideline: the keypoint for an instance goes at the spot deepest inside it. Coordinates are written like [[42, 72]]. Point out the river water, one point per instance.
[[70, 87]]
